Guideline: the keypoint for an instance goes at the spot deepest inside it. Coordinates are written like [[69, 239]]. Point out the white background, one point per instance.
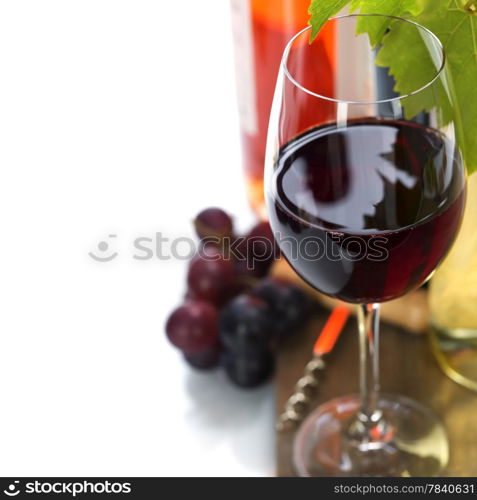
[[115, 117]]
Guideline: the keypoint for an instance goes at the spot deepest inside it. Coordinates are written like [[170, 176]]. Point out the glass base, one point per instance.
[[414, 445]]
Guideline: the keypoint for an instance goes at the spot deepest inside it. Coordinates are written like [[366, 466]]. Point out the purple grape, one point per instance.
[[192, 327], [248, 371], [213, 222], [290, 306], [245, 326]]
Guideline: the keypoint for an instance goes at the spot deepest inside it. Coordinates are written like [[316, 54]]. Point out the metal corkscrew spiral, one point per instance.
[[297, 405]]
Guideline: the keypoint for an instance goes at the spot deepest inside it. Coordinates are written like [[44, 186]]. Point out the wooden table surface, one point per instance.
[[407, 367]]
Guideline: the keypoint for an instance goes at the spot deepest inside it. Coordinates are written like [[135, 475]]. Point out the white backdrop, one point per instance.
[[116, 117]]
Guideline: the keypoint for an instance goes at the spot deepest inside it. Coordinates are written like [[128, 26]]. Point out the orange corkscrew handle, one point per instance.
[[331, 331]]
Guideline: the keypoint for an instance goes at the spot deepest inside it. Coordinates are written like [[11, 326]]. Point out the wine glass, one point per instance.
[[365, 196]]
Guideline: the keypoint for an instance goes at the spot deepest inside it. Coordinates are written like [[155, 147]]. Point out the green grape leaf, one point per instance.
[[376, 27], [455, 24], [410, 68], [456, 28], [321, 10]]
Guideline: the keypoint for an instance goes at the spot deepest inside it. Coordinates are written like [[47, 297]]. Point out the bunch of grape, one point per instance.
[[233, 315]]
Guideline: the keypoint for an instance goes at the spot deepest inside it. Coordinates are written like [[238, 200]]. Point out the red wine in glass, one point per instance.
[[366, 212]]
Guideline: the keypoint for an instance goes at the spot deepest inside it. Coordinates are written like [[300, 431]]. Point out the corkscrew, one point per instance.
[[298, 403]]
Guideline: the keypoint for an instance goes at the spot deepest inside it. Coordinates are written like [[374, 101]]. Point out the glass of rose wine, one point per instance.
[[365, 203]]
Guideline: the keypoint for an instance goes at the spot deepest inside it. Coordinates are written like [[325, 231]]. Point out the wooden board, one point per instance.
[[407, 367]]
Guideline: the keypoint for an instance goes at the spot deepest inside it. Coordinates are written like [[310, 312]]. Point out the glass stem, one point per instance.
[[368, 427], [368, 327]]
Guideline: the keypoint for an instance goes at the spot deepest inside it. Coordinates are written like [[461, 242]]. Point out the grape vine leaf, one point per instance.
[[454, 22], [376, 27], [457, 30], [411, 70], [321, 10]]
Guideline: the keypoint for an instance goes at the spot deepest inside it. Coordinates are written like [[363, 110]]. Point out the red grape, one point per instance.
[[211, 277], [192, 327], [213, 222], [259, 250], [204, 360]]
